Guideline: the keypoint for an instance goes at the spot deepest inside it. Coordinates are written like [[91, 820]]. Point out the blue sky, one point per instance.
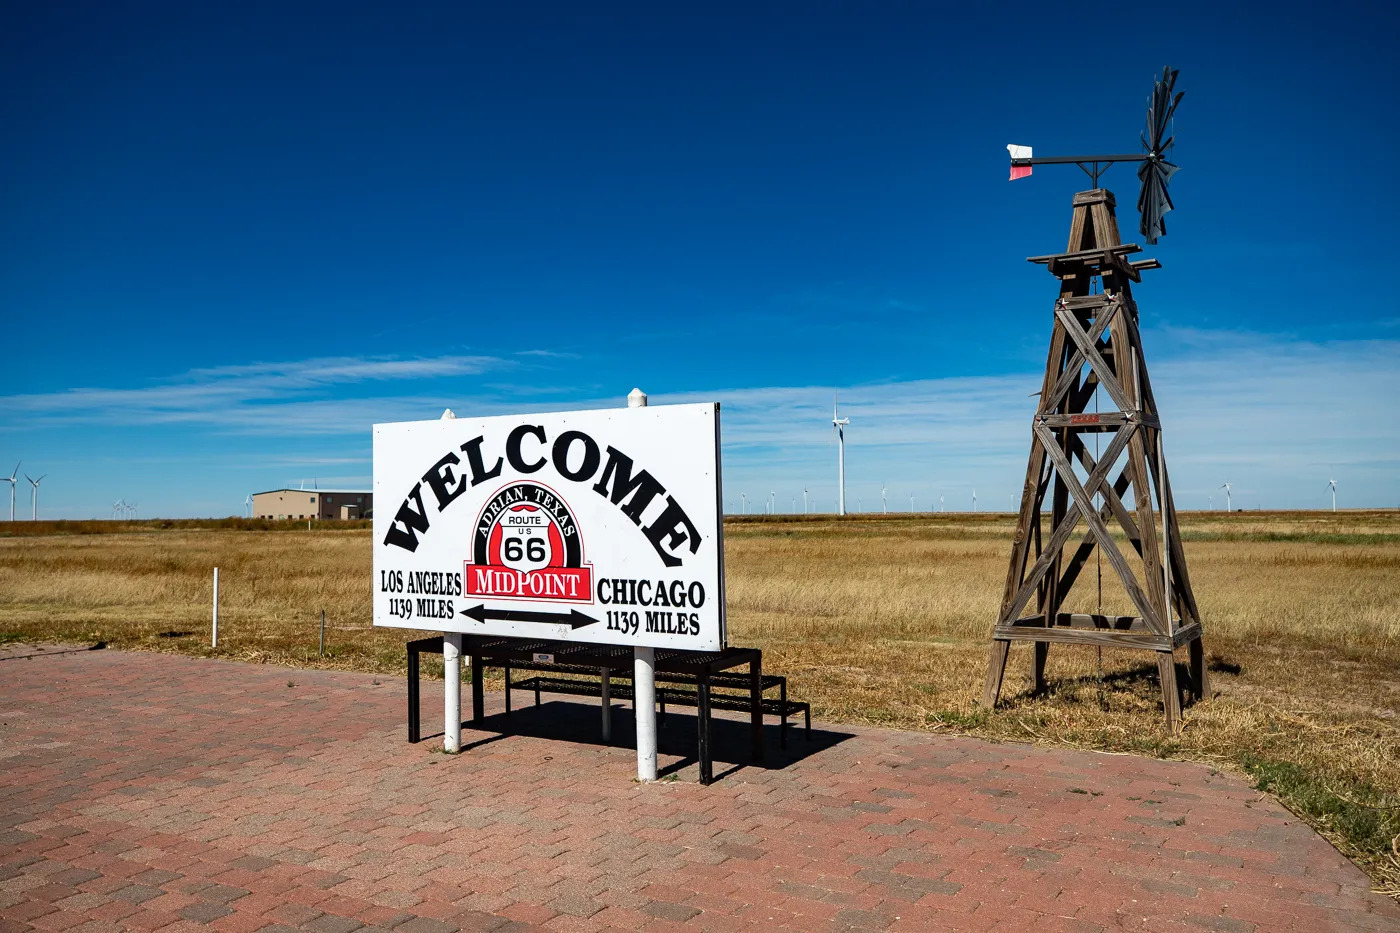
[[237, 236]]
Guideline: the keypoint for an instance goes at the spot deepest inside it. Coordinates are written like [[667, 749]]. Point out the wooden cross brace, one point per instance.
[[1052, 399], [1059, 535]]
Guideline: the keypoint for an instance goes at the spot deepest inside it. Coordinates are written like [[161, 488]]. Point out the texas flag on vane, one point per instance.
[[1017, 154]]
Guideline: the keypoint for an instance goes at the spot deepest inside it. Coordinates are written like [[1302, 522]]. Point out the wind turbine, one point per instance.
[[911, 502], [1333, 484], [133, 510], [248, 504], [884, 509], [974, 498], [11, 479], [838, 425], [744, 501], [940, 503], [1226, 487], [117, 509], [772, 502], [34, 497]]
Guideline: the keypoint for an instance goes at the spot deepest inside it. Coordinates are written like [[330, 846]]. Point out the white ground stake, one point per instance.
[[644, 677], [215, 642]]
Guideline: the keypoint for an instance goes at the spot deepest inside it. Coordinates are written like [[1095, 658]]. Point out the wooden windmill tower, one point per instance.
[[1096, 387]]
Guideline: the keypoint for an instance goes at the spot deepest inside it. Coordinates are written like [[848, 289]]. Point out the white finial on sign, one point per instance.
[[448, 415], [636, 399]]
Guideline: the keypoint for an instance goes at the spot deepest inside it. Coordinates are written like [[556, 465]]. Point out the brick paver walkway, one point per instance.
[[145, 792]]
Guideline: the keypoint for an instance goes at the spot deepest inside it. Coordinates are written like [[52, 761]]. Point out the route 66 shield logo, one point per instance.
[[527, 545]]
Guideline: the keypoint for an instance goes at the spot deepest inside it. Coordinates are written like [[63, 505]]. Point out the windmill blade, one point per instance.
[[1153, 201], [1155, 171], [1161, 107]]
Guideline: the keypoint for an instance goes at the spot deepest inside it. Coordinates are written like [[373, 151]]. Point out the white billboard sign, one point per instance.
[[590, 526]]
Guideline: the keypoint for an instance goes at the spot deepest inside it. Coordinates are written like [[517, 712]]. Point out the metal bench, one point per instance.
[[704, 669]]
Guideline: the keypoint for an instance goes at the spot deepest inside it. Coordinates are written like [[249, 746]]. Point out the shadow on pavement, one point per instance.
[[677, 736]]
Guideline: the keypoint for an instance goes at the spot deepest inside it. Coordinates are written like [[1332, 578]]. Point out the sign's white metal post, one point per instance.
[[451, 675], [644, 702], [644, 677], [452, 692], [214, 643]]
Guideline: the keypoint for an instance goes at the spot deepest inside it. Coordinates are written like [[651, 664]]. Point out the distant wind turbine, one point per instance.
[[11, 479], [744, 501], [117, 509], [1228, 500], [884, 509], [1333, 484], [940, 503], [248, 505], [838, 425], [974, 499], [34, 497], [911, 502]]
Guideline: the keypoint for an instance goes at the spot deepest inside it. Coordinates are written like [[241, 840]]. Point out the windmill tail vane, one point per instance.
[[1021, 166]]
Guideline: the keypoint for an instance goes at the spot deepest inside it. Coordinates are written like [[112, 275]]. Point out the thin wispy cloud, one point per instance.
[[233, 395]]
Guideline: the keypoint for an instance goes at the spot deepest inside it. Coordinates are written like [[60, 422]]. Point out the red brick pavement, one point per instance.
[[153, 792]]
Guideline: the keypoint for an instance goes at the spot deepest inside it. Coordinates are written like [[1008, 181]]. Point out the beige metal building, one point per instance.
[[314, 503]]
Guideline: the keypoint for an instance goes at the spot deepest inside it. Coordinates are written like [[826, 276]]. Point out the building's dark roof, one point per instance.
[[337, 492]]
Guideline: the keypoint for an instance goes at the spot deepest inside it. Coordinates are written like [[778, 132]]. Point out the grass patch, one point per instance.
[[1363, 822]]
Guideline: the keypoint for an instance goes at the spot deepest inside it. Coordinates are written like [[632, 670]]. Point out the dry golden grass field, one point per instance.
[[874, 619]]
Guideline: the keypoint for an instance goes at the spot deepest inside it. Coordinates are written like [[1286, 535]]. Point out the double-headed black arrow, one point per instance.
[[573, 618]]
